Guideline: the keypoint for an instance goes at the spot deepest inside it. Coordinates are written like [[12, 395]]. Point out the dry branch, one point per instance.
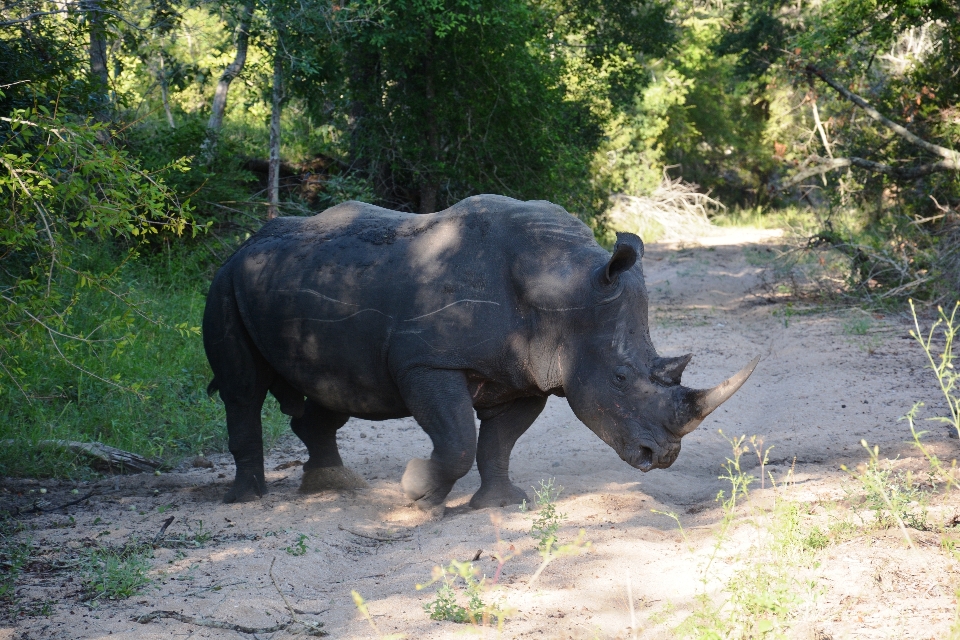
[[103, 457], [952, 157], [157, 538], [950, 162], [206, 622], [825, 165], [676, 210]]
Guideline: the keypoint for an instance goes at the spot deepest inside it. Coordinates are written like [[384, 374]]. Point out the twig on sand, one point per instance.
[[305, 626], [206, 622], [157, 538], [213, 587], [314, 628], [36, 508]]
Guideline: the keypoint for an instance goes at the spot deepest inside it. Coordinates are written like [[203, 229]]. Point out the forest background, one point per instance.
[[143, 140]]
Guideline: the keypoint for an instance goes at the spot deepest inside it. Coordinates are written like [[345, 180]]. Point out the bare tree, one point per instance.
[[165, 93], [276, 104], [98, 55]]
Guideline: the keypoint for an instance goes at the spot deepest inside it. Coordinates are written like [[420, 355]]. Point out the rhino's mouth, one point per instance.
[[640, 457], [646, 458]]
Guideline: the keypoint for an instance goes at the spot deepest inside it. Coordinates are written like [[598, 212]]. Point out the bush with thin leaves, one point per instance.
[[64, 188]]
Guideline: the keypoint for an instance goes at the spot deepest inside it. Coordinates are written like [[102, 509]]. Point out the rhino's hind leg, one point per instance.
[[500, 427], [324, 471], [246, 444]]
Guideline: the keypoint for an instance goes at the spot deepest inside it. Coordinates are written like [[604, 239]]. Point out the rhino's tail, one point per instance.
[[213, 387]]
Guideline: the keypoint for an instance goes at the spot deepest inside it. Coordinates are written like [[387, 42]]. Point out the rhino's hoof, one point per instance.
[[434, 511], [331, 479], [423, 483], [497, 495], [247, 486]]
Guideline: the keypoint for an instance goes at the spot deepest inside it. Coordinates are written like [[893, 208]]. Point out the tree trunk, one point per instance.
[[233, 70], [164, 95], [363, 63], [273, 175], [98, 58], [429, 185]]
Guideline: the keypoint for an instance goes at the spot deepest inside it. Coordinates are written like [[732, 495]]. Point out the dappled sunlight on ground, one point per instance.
[[819, 390]]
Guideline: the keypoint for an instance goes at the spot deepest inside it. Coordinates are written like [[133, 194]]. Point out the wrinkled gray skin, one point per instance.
[[489, 306]]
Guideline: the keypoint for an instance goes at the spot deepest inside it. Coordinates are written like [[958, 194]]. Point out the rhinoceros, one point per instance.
[[488, 307]]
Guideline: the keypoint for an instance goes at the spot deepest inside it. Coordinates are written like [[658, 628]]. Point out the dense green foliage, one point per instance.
[[117, 207]]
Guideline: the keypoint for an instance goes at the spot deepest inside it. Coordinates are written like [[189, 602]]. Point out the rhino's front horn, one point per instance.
[[699, 403]]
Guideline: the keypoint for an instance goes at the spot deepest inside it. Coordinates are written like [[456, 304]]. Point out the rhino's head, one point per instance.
[[612, 376]]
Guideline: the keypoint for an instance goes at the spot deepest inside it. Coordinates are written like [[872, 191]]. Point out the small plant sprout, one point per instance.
[[938, 471], [763, 457], [942, 364], [115, 574], [503, 551], [546, 525], [676, 518], [891, 497], [548, 520], [361, 605], [299, 547]]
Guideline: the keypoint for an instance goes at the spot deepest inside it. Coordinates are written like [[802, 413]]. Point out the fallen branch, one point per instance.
[[952, 157], [103, 457], [206, 622], [826, 165], [950, 162]]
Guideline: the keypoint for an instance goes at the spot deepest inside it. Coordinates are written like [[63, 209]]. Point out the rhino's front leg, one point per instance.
[[499, 429], [440, 402]]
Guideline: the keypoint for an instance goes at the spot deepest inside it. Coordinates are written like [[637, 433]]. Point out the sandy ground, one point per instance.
[[817, 392]]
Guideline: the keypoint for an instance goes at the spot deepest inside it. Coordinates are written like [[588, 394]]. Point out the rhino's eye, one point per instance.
[[620, 377]]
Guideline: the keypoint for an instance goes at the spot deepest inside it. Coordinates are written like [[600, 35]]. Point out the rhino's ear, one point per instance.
[[626, 252]]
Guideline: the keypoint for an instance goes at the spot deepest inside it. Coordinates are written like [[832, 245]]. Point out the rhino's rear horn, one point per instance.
[[699, 403], [669, 370]]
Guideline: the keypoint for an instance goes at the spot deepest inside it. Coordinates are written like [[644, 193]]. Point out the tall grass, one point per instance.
[[145, 395]]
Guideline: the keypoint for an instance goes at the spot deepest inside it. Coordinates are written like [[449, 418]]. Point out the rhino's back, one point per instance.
[[337, 302]]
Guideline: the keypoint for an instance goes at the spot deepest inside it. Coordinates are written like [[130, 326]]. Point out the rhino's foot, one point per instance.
[[248, 485], [424, 483], [331, 479], [497, 494]]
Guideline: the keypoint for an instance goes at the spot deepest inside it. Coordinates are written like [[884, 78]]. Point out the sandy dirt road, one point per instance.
[[819, 389]]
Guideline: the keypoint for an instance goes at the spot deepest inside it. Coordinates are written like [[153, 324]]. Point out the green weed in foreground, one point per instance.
[[14, 556], [361, 605], [548, 520], [762, 596], [474, 586], [890, 497], [115, 574]]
